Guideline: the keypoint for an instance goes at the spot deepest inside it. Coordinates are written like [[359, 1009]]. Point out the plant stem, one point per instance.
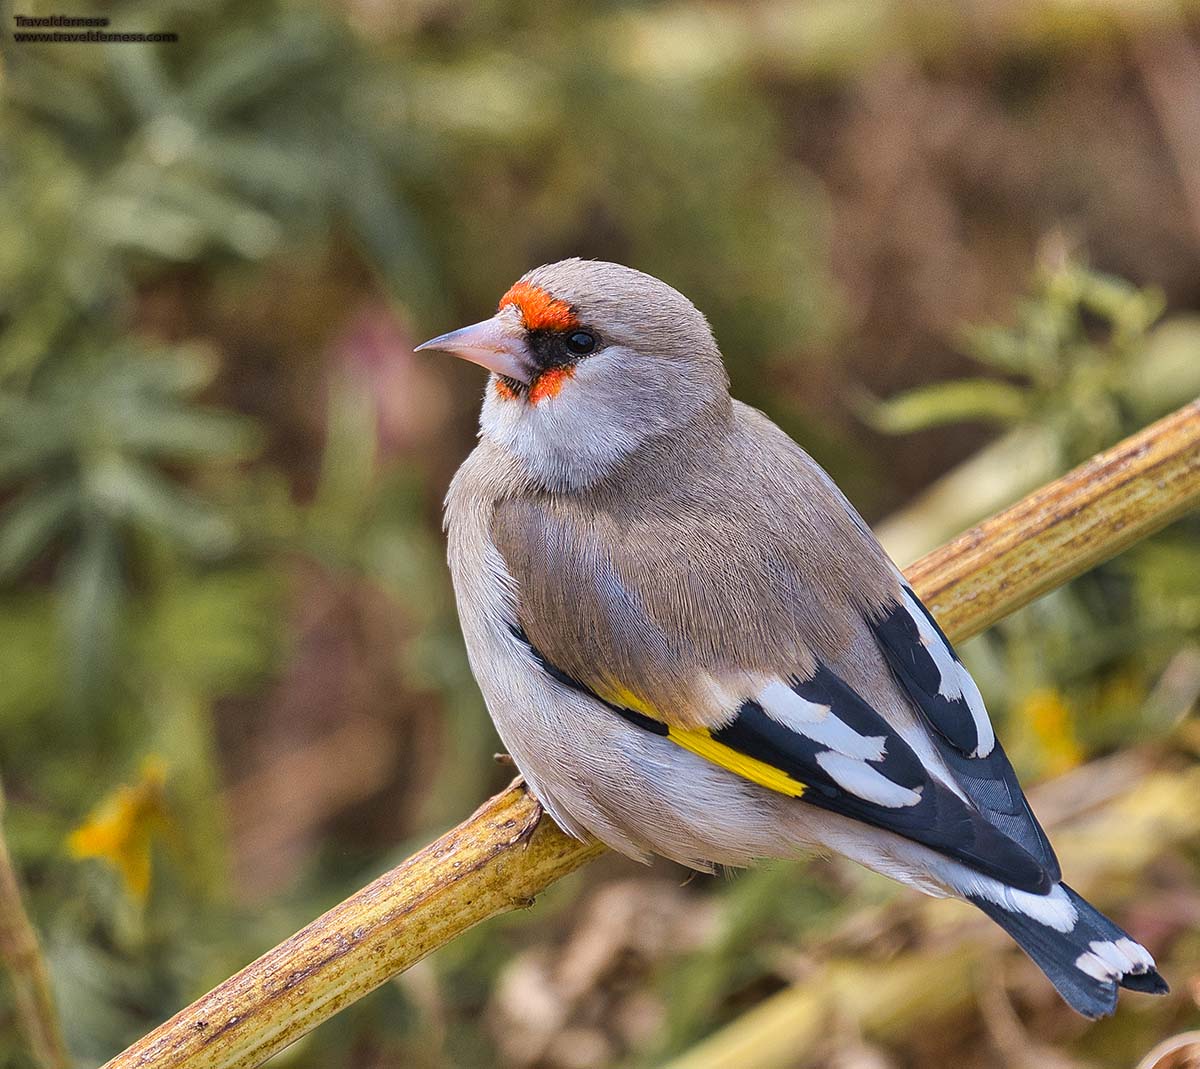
[[1066, 528], [21, 954]]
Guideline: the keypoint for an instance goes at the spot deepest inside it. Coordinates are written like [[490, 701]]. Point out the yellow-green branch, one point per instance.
[[21, 957], [1064, 529], [502, 856]]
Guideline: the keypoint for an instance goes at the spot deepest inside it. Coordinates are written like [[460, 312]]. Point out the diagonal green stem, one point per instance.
[[21, 957]]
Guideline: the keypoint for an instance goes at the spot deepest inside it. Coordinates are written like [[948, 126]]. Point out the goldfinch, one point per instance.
[[693, 646]]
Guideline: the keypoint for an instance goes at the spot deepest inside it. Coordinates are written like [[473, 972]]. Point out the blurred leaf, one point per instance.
[[28, 523], [141, 77], [149, 225], [91, 592], [245, 65], [132, 493], [1131, 311], [59, 92], [1080, 342], [178, 372], [214, 632], [986, 400], [347, 465], [1169, 372], [32, 683], [31, 438], [386, 227], [190, 435]]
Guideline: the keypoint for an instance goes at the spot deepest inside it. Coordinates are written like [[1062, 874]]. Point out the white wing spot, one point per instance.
[[1110, 959], [955, 681], [974, 700], [862, 780], [1095, 967], [1138, 954], [818, 722], [1121, 956], [1110, 953], [1054, 910], [784, 705]]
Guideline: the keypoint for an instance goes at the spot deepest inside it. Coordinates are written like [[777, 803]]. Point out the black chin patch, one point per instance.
[[550, 353], [514, 386]]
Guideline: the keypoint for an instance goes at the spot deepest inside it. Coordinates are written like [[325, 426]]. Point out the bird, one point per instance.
[[693, 646]]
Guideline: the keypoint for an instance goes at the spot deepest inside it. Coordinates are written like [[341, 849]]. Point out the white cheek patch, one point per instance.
[[573, 437], [818, 723], [955, 683], [861, 780]]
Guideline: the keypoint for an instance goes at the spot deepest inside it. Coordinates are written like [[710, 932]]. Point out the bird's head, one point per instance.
[[589, 360]]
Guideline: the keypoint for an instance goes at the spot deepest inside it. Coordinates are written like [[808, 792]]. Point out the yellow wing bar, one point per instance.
[[701, 742]]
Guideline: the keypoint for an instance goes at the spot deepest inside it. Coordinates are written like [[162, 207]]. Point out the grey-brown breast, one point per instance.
[[721, 554]]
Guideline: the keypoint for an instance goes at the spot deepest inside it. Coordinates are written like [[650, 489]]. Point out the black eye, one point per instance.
[[581, 342]]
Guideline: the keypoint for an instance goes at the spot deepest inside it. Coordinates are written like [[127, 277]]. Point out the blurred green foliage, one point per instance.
[[1092, 364], [220, 463], [1089, 368]]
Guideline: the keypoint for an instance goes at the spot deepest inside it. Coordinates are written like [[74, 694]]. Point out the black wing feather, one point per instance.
[[989, 781], [940, 820]]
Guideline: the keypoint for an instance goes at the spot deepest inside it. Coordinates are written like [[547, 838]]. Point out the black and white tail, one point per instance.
[[1087, 961]]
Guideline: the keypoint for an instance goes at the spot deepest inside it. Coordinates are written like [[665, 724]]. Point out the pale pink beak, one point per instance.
[[497, 344]]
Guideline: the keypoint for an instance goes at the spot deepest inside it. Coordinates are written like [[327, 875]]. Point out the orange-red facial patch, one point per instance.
[[549, 382], [539, 309]]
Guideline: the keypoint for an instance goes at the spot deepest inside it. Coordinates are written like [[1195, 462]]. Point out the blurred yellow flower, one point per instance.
[[1049, 720], [121, 829]]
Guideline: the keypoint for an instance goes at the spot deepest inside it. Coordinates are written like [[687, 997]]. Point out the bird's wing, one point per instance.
[[929, 670], [815, 739], [743, 639]]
